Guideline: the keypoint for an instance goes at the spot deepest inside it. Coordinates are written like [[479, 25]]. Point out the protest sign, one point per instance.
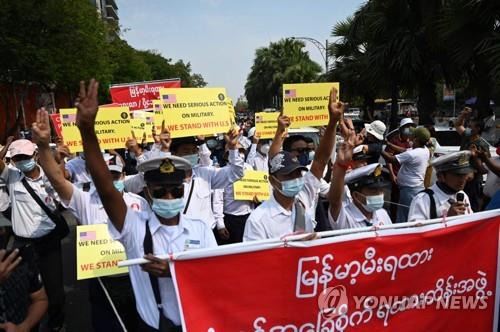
[[427, 278], [56, 122], [139, 96], [112, 127], [158, 115], [195, 111], [266, 124], [252, 184], [232, 114], [307, 103], [97, 254], [142, 123]]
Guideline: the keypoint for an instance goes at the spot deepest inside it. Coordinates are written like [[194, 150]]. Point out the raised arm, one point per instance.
[[111, 198], [344, 157], [459, 123], [327, 142], [3, 152], [253, 150], [389, 158], [228, 174], [279, 136], [53, 171]]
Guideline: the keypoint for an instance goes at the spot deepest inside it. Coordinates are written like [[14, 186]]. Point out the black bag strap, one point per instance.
[[38, 200], [189, 197], [433, 210]]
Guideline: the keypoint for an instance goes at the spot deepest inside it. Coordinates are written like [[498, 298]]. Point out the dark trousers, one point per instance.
[[235, 226], [143, 327], [49, 260], [103, 317]]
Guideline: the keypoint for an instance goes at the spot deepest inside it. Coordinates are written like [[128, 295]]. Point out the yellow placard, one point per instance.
[[266, 124], [158, 115], [232, 113], [142, 122], [307, 103], [195, 111], [97, 254], [253, 183], [112, 127]]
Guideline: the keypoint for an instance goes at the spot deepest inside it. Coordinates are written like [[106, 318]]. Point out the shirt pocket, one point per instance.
[[21, 195]]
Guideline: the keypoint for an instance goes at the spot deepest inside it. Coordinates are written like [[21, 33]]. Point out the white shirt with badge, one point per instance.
[[270, 220], [413, 163], [88, 209], [420, 205], [352, 217], [28, 218], [257, 160], [189, 234]]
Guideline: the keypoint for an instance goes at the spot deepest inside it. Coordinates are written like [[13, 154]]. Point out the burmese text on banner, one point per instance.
[[139, 96], [195, 111], [434, 277], [307, 103]]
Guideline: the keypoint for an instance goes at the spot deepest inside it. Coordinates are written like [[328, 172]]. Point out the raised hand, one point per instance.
[[156, 137], [41, 128], [256, 138], [132, 145], [165, 139], [336, 108], [87, 105], [231, 139], [344, 154], [283, 123]]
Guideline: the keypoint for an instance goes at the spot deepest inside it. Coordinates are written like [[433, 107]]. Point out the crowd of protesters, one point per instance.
[[177, 194]]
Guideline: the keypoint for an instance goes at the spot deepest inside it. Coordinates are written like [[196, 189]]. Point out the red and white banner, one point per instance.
[[56, 121], [140, 96], [434, 277]]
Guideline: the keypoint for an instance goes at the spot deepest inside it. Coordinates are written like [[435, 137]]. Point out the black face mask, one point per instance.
[[304, 158], [446, 189]]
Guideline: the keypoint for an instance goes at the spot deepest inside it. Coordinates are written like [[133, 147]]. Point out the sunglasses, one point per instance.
[[160, 192], [302, 150]]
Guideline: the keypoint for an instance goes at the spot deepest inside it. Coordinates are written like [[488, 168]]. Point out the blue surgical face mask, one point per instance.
[[25, 165], [303, 158], [167, 208], [468, 132], [290, 188], [374, 203], [119, 185], [192, 159]]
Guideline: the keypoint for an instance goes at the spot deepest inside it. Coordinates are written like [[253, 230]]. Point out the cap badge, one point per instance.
[[167, 167], [377, 171]]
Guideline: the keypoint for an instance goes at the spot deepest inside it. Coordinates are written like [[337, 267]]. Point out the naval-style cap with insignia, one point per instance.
[[164, 170], [369, 176], [284, 163], [456, 162], [114, 162]]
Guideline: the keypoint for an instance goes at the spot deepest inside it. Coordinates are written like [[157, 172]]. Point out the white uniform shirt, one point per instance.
[[351, 217], [88, 209], [257, 160], [205, 179], [4, 196], [420, 205], [218, 207], [271, 220], [78, 171], [413, 163], [189, 234], [28, 218]]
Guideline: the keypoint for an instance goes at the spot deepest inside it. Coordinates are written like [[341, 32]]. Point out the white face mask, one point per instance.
[[264, 149]]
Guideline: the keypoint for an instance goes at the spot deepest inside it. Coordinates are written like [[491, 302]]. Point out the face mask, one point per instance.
[[290, 188], [119, 185], [264, 149], [468, 132], [406, 131], [303, 159], [212, 144], [374, 203], [26, 165], [192, 159], [311, 155], [167, 208]]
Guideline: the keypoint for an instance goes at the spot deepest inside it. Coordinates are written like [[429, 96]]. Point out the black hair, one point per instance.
[[178, 142], [288, 142], [308, 140]]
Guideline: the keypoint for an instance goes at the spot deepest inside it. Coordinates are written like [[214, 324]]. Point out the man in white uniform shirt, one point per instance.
[[257, 156], [290, 208], [31, 224], [366, 185], [446, 197], [88, 210], [162, 229]]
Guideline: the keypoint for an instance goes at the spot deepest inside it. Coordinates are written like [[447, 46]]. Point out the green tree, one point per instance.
[[282, 62]]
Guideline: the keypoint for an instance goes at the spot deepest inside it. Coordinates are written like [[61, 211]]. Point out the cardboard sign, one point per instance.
[[140, 96], [307, 103], [97, 255], [266, 124], [253, 183], [142, 123], [195, 111], [112, 127]]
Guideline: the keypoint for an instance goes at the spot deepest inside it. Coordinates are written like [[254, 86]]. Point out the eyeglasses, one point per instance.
[[160, 192]]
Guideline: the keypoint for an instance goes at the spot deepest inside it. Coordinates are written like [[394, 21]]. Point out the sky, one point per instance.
[[219, 37]]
